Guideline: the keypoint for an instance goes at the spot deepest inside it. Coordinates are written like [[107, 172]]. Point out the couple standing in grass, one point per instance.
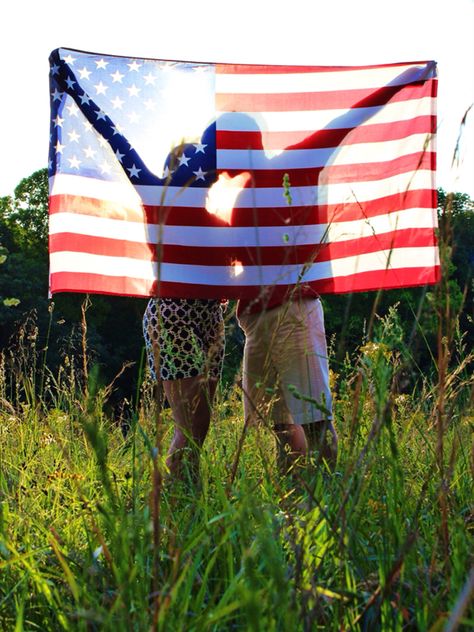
[[285, 369]]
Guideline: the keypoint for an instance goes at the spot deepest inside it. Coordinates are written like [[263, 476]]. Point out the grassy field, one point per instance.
[[93, 536]]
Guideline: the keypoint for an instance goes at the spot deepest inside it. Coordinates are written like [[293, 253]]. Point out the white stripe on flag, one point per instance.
[[268, 197], [304, 120], [345, 79], [252, 237], [311, 158], [250, 275]]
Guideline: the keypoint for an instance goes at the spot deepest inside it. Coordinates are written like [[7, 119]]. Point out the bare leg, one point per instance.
[[190, 400], [292, 445], [321, 437]]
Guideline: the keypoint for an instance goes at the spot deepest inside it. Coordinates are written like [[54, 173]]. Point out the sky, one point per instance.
[[302, 32]]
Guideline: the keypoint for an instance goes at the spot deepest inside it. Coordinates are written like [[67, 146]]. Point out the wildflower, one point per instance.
[[47, 439], [373, 350]]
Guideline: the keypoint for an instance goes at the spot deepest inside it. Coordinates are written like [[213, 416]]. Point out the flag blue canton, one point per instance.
[[114, 118]]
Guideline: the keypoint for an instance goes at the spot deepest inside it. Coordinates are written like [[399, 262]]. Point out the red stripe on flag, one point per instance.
[[249, 256], [72, 242], [339, 174], [376, 132], [361, 282], [95, 207], [284, 216], [328, 213], [255, 69], [376, 280], [99, 284], [312, 101], [284, 255]]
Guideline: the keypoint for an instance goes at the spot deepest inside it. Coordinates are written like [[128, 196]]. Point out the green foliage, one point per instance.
[[24, 236], [456, 217], [25, 216], [7, 302], [362, 548]]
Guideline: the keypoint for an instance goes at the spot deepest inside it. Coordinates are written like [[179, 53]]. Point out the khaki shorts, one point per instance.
[[286, 372]]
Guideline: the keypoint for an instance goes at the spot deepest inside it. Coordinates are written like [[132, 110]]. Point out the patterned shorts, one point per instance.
[[188, 335]]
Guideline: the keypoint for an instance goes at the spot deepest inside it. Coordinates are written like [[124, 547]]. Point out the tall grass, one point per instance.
[[92, 537]]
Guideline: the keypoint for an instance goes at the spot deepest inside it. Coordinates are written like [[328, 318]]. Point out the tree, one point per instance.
[[456, 218], [25, 214], [24, 235]]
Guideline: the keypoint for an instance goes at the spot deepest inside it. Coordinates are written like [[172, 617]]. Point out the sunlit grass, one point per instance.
[[363, 548]]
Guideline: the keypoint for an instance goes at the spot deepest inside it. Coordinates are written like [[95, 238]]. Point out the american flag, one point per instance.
[[216, 180]]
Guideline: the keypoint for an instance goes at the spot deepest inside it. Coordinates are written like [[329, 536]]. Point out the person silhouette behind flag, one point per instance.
[[185, 345], [285, 366]]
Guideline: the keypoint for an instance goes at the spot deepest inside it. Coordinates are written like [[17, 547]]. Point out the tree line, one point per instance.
[[114, 331]]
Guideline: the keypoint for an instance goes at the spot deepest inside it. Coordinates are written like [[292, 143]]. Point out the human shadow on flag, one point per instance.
[[294, 209]]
